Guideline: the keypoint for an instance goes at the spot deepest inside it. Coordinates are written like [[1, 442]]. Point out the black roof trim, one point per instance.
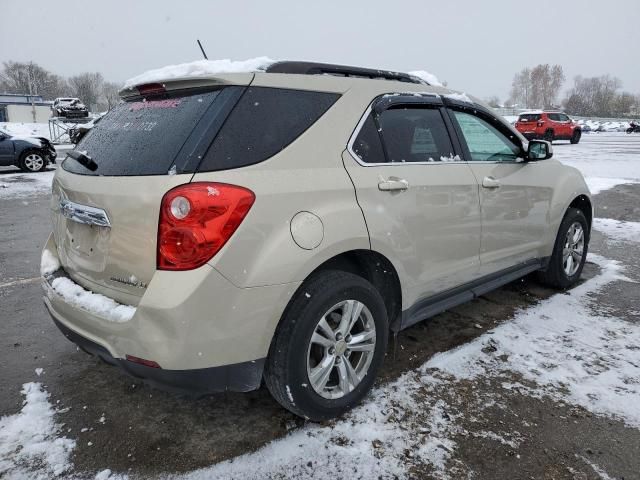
[[312, 68]]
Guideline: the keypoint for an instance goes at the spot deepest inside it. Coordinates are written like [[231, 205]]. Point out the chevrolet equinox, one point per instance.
[[215, 232]]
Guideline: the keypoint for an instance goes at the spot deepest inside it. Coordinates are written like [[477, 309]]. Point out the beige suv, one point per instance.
[[213, 232]]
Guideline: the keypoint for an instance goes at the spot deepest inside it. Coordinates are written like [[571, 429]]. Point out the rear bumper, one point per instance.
[[239, 377], [206, 334]]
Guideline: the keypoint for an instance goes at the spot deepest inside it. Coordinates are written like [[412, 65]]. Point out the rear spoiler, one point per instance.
[[156, 87]]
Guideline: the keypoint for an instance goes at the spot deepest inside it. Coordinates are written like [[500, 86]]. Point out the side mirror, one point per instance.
[[539, 150]]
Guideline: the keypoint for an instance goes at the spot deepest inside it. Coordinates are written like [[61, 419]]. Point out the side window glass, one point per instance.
[[367, 144], [485, 142], [416, 135], [264, 122]]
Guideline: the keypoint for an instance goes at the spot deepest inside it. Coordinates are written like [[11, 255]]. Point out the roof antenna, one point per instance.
[[202, 50]]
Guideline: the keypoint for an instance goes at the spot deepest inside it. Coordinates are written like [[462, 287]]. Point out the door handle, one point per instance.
[[490, 182], [392, 184]]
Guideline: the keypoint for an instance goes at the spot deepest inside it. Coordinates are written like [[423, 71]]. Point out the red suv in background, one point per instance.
[[548, 126]]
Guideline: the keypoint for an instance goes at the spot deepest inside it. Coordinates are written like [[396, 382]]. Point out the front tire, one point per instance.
[[575, 138], [569, 251], [32, 161], [329, 346]]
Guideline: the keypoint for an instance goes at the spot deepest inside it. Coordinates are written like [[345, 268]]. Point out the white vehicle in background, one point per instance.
[[69, 108]]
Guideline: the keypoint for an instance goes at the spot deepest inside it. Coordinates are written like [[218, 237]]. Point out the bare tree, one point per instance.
[[521, 88], [110, 95], [87, 87], [30, 78], [493, 101], [598, 96], [537, 87]]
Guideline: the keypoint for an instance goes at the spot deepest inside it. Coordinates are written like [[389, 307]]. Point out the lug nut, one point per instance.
[[332, 351], [338, 336], [348, 338]]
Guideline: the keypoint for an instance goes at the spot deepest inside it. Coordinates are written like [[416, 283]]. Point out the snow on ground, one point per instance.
[[585, 358], [618, 230], [199, 68], [605, 159], [29, 443], [18, 185]]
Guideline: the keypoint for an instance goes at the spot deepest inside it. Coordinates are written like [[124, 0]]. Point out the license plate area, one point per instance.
[[86, 246]]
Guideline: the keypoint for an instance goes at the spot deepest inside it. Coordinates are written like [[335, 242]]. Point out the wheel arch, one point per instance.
[[373, 267], [583, 203]]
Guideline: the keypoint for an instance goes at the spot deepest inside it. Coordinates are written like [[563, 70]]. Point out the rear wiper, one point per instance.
[[83, 159]]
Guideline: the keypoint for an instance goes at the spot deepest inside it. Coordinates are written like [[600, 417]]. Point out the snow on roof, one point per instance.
[[199, 68], [532, 112], [461, 97], [430, 78]]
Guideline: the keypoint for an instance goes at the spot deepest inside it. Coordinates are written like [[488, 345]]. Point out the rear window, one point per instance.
[[143, 137], [264, 121], [529, 117]]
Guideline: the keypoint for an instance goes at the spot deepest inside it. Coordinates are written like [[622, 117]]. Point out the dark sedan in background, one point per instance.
[[31, 154]]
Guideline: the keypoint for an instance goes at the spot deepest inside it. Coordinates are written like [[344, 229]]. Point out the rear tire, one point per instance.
[[575, 138], [32, 161], [569, 251], [315, 371]]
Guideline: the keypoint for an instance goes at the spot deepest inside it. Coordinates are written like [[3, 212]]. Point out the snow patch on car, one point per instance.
[[94, 303], [199, 68], [29, 443], [428, 77], [49, 262], [461, 97]]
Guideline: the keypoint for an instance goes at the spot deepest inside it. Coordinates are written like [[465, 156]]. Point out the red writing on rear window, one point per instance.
[[171, 103]]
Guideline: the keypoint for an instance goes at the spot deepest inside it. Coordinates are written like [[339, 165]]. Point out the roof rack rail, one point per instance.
[[312, 68]]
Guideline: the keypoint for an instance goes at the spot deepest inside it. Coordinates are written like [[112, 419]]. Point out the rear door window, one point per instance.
[[415, 135], [264, 122], [529, 117], [144, 136]]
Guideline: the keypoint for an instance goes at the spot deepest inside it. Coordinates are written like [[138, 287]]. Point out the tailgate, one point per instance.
[[105, 230], [106, 200]]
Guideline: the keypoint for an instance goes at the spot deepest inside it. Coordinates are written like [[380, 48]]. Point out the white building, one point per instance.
[[24, 108]]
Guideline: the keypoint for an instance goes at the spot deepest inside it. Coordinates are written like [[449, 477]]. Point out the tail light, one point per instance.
[[196, 220], [149, 89]]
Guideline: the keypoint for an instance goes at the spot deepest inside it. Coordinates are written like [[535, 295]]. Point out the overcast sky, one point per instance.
[[474, 45]]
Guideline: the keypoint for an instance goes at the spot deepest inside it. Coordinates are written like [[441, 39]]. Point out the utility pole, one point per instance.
[[33, 106]]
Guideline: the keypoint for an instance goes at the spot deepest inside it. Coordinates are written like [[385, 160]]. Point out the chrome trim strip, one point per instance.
[[84, 214]]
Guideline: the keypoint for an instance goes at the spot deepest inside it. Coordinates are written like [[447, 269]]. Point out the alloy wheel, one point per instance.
[[573, 249], [341, 349], [34, 162]]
